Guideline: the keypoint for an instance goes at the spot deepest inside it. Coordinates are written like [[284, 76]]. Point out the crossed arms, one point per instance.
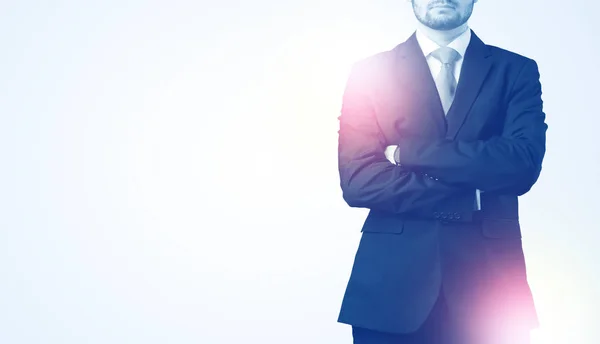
[[508, 164]]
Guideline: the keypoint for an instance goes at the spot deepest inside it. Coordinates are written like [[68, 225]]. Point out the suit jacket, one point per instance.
[[422, 235]]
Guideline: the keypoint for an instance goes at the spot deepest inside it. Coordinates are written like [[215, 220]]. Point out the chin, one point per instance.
[[443, 24]]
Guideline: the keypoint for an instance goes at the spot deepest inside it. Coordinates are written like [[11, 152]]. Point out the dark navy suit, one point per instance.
[[422, 236]]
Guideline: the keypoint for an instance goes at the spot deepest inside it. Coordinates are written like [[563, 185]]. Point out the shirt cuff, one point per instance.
[[397, 155]]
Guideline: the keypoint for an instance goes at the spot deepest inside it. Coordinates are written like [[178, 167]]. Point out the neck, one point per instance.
[[440, 37]]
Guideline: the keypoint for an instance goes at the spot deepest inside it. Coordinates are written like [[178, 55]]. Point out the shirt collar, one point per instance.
[[459, 44]]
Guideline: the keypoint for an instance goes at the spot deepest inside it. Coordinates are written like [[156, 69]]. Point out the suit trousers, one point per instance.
[[440, 328]]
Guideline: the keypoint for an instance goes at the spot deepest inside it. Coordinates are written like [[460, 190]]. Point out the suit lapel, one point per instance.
[[415, 76], [476, 65]]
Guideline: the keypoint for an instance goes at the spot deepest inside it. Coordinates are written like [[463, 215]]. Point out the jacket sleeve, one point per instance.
[[509, 163], [367, 178]]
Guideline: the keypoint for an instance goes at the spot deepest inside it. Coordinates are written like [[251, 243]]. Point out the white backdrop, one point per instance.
[[169, 169]]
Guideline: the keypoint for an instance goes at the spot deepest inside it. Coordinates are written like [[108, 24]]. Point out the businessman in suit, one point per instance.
[[438, 137]]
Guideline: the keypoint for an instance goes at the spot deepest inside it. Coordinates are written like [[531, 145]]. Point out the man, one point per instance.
[[438, 137]]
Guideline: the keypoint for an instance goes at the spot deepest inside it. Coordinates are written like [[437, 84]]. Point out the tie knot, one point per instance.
[[446, 55]]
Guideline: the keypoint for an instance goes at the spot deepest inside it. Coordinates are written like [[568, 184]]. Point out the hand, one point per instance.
[[389, 153]]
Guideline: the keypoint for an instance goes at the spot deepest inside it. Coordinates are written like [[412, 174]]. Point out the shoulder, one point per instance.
[[520, 71], [514, 60], [375, 66], [377, 59], [375, 63]]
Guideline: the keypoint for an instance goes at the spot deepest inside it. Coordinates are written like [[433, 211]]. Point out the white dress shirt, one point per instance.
[[459, 44]]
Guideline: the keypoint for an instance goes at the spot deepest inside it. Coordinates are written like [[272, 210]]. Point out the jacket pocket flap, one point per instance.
[[380, 222], [501, 228]]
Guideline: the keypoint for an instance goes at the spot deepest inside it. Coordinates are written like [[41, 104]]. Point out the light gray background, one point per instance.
[[168, 168]]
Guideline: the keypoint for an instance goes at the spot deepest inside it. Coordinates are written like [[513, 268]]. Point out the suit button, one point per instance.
[[457, 216], [444, 216]]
